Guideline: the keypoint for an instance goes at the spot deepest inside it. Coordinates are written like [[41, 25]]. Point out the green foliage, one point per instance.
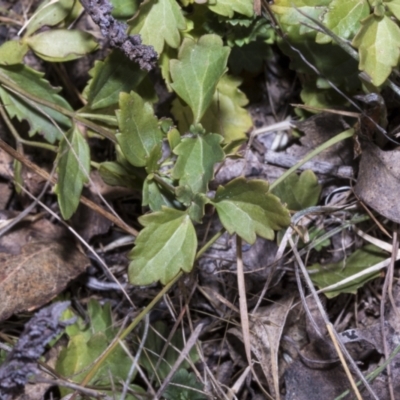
[[61, 45], [171, 166], [326, 275], [314, 239], [40, 119], [378, 42], [372, 28], [51, 13], [110, 77], [394, 7], [228, 7], [288, 12], [159, 21], [344, 18], [123, 9], [73, 171], [248, 37], [139, 129], [196, 73], [165, 246], [155, 346], [87, 343], [155, 196], [187, 382], [225, 115], [249, 57], [116, 174], [196, 159], [201, 50], [12, 52], [246, 208], [299, 191]]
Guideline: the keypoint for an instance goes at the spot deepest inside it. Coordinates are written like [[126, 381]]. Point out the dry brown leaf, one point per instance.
[[5, 194], [25, 232], [37, 274], [266, 331], [304, 383], [378, 183]]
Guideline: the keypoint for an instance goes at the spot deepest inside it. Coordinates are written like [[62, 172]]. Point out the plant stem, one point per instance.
[[84, 200], [108, 119], [164, 184], [8, 84]]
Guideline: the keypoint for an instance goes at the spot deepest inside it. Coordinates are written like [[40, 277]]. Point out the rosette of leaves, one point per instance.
[[321, 30], [172, 165], [87, 341], [177, 196], [248, 37]]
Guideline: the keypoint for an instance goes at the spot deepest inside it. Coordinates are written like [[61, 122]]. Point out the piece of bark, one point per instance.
[[378, 183], [21, 363], [37, 274]]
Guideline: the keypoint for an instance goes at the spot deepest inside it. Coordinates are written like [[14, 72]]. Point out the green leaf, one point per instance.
[[320, 98], [156, 196], [123, 9], [247, 209], [115, 174], [174, 138], [33, 82], [249, 57], [73, 171], [87, 343], [110, 77], [228, 7], [299, 191], [343, 18], [139, 129], [50, 13], [326, 275], [159, 22], [225, 115], [197, 72], [60, 45], [152, 161], [330, 60], [394, 7], [196, 159], [166, 56], [116, 365], [165, 246], [194, 201], [18, 179], [100, 318], [288, 12], [378, 42], [314, 239], [12, 52], [158, 338], [182, 385]]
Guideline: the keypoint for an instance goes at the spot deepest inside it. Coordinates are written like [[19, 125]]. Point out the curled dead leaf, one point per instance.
[[378, 183], [34, 275]]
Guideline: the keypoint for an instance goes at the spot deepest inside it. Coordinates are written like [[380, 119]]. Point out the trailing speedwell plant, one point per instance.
[[171, 161]]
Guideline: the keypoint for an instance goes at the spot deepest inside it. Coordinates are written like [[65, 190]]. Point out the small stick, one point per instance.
[[343, 361], [84, 200]]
